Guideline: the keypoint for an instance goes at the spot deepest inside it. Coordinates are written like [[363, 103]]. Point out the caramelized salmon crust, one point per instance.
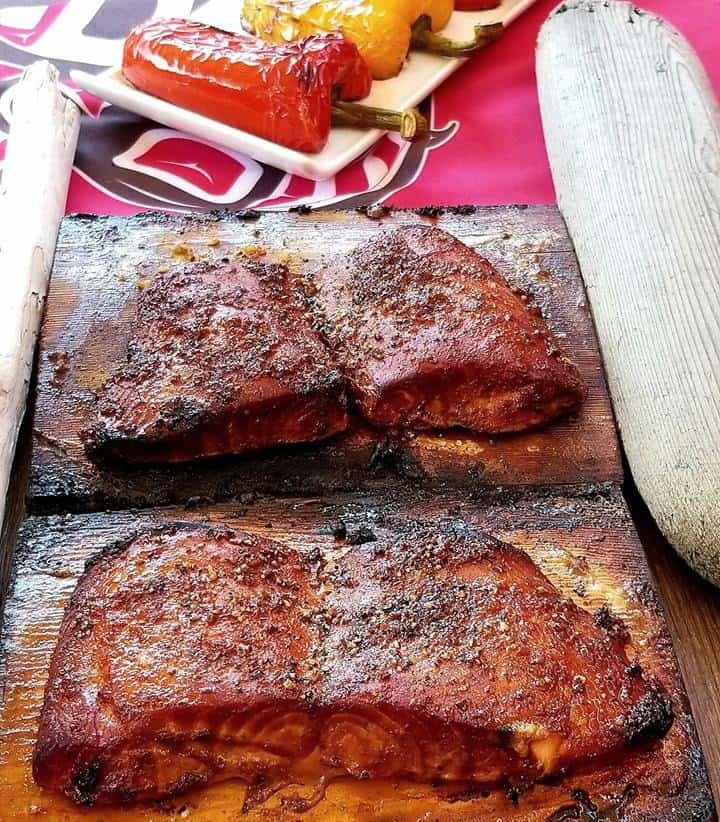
[[190, 654], [222, 359], [429, 335]]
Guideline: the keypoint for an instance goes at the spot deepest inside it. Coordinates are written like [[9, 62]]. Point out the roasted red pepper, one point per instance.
[[476, 5], [282, 92]]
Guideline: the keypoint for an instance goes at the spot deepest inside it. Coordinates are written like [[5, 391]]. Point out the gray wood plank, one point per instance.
[[633, 134]]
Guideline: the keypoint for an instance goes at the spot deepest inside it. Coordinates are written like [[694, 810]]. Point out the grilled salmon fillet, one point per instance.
[[192, 653], [222, 359], [431, 336]]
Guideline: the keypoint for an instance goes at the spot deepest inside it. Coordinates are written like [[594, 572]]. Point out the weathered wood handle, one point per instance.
[[36, 175], [633, 134]]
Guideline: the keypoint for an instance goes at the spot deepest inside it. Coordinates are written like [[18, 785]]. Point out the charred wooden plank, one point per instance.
[[583, 542], [102, 264]]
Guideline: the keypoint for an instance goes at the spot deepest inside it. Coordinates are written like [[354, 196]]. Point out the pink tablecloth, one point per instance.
[[498, 155], [486, 145]]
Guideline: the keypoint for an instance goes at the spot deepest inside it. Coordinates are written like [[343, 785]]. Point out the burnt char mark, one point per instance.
[[430, 211], [613, 626], [179, 414], [359, 534], [583, 808], [338, 530], [186, 783], [437, 211], [650, 718], [352, 533], [85, 783], [394, 457]]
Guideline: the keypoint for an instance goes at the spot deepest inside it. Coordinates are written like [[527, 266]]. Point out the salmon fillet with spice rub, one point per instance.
[[191, 654], [429, 335], [222, 359]]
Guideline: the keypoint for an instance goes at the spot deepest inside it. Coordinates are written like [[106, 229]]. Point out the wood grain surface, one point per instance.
[[101, 264], [584, 542], [692, 607], [636, 161], [90, 307]]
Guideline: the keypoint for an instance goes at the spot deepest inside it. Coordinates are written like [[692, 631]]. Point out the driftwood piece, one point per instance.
[[36, 175], [633, 133]]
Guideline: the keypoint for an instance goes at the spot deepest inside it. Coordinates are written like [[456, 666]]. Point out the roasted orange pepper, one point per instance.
[[383, 30]]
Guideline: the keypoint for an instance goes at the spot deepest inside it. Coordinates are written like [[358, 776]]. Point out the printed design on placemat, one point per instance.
[[127, 159]]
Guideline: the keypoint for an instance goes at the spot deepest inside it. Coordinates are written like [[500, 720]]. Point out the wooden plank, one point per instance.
[[14, 510], [692, 608], [95, 283], [36, 174], [583, 541], [635, 159]]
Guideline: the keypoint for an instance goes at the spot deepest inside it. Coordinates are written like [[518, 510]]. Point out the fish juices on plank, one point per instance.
[[288, 93], [191, 654], [383, 30], [223, 359], [429, 335]]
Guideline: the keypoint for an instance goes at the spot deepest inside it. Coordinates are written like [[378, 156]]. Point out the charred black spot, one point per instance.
[[513, 793], [650, 718], [186, 782], [392, 456], [463, 209], [359, 534], [85, 783], [613, 626], [633, 669], [430, 211], [582, 808], [338, 530], [246, 214]]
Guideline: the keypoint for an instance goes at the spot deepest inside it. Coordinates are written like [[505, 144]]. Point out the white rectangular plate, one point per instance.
[[422, 74]]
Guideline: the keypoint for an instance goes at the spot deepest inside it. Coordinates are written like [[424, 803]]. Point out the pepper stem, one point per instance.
[[410, 124], [425, 39]]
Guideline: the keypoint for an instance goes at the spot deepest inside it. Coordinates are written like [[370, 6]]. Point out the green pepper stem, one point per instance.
[[425, 39], [410, 124]]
